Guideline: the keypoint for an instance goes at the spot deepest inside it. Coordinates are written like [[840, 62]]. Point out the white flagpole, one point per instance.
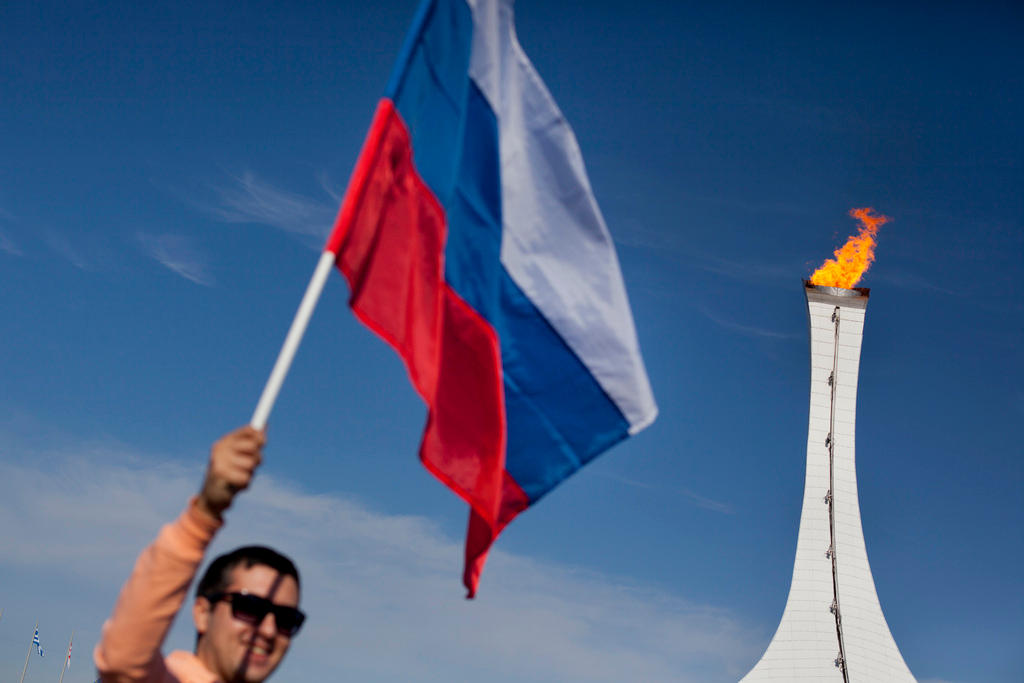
[[292, 340], [67, 656], [27, 654]]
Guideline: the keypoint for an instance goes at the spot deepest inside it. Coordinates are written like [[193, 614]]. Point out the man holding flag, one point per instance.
[[246, 606], [472, 243]]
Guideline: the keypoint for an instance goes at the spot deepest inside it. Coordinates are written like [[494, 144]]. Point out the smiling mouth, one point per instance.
[[259, 651]]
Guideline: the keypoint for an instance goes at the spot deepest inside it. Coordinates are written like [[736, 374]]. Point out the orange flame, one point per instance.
[[854, 257]]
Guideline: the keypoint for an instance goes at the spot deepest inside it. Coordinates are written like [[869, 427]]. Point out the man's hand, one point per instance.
[[233, 460]]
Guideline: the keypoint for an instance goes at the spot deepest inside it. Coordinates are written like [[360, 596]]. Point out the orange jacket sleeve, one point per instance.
[[129, 649]]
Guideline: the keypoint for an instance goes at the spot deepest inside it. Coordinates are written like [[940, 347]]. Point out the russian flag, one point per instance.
[[472, 243]]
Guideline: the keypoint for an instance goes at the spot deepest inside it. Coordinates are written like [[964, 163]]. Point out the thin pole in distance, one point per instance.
[[28, 654]]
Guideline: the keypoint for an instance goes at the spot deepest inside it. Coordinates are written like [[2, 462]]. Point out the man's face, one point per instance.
[[233, 649]]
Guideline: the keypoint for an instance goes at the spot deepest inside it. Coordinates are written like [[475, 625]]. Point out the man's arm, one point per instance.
[[129, 649]]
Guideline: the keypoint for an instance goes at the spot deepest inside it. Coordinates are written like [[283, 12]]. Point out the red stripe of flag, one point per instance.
[[389, 243]]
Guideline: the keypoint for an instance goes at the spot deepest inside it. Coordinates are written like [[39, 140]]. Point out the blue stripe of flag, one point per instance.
[[558, 416]]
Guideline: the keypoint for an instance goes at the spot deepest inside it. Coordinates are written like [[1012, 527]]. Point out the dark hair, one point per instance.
[[218, 574]]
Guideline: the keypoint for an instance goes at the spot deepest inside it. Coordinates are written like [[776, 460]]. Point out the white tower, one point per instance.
[[832, 628]]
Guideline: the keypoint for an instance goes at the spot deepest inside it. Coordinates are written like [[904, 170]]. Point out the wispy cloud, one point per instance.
[[708, 503], [71, 253], [179, 254], [8, 246], [747, 330], [695, 498], [672, 246], [755, 273], [249, 199], [332, 190], [806, 114], [907, 280], [381, 587]]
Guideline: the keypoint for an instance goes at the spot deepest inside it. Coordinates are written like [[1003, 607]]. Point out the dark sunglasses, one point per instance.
[[252, 609]]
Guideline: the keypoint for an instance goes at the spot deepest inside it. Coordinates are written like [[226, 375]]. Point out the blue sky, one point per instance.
[[167, 174]]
